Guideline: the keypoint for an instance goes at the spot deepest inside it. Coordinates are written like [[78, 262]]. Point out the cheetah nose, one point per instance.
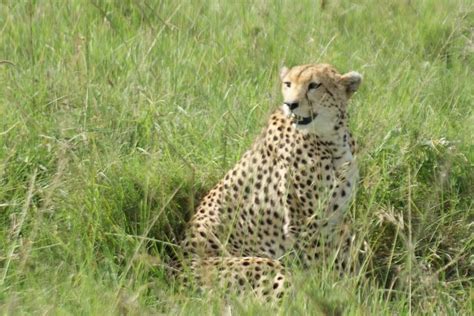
[[292, 106]]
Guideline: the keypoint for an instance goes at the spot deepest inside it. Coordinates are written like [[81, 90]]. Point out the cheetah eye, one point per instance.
[[287, 84], [313, 85]]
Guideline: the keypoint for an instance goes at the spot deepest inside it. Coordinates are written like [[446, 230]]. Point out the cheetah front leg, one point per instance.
[[335, 230], [346, 177]]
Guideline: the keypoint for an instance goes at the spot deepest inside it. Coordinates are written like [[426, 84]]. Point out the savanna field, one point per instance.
[[117, 116]]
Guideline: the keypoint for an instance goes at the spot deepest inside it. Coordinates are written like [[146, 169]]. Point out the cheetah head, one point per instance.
[[316, 96]]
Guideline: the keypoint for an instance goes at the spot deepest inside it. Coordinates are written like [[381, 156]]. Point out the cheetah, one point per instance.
[[286, 196]]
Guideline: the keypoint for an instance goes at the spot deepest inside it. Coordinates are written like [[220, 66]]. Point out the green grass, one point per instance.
[[116, 116]]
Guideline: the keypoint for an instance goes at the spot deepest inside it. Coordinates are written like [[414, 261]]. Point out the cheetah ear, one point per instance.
[[283, 71], [351, 81]]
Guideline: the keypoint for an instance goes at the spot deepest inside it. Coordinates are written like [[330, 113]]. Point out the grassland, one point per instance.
[[116, 116]]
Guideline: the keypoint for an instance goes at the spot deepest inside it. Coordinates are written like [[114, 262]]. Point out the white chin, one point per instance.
[[286, 110]]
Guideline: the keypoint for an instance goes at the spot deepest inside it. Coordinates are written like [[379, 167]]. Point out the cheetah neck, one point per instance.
[[325, 128], [334, 135]]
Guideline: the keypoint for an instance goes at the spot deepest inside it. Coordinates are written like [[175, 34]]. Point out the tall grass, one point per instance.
[[116, 116]]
